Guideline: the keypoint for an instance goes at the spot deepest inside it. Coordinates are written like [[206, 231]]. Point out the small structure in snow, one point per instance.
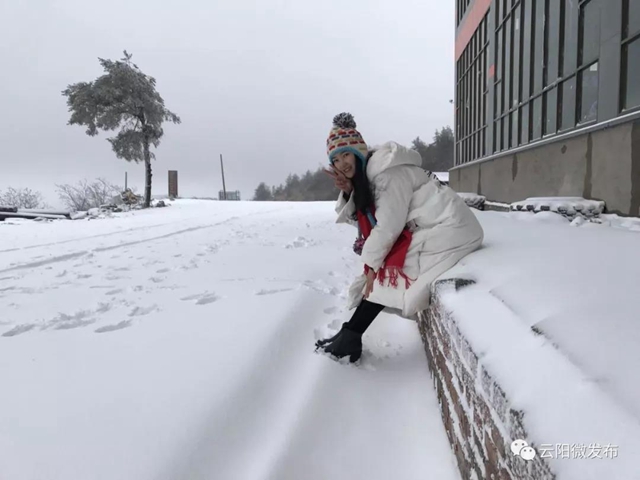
[[443, 177], [473, 199], [229, 195], [569, 207]]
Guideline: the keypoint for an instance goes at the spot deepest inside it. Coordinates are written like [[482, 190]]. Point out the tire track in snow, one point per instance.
[[72, 256], [282, 381], [90, 237]]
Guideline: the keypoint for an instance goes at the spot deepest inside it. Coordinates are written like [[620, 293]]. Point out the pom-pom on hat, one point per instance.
[[344, 137]]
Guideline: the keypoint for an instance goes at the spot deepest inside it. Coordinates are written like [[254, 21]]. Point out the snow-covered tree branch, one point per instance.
[[21, 198], [85, 195]]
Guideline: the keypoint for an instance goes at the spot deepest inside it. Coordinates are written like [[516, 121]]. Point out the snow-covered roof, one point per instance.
[[442, 176]]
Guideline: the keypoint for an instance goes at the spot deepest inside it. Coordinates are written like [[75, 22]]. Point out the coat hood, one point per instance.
[[391, 154]]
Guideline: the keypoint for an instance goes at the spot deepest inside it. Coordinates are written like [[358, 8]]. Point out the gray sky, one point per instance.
[[258, 81]]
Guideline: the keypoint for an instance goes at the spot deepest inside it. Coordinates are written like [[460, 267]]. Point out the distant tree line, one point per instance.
[[438, 155], [311, 187], [318, 186]]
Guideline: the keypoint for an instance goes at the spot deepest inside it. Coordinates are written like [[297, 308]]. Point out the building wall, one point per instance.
[[536, 70], [602, 165]]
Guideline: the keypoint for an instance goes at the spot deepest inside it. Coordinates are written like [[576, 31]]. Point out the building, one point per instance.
[[548, 100], [235, 195]]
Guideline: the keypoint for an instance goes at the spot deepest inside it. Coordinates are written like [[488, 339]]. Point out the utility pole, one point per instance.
[[125, 181], [224, 187]]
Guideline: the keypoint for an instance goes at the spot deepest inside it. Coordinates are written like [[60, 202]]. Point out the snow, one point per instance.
[[472, 199], [177, 343], [568, 205], [442, 176], [554, 317]]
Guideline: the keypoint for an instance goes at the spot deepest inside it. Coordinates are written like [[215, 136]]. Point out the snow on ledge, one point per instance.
[[563, 205], [473, 199], [556, 327]]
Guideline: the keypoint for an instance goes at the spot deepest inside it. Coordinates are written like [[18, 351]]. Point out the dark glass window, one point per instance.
[[632, 80], [515, 141], [551, 111], [507, 66], [589, 31], [524, 125], [471, 96], [633, 10], [539, 52], [527, 48], [506, 138], [537, 119], [588, 89], [568, 104], [498, 103], [499, 56], [553, 43], [517, 33], [570, 37]]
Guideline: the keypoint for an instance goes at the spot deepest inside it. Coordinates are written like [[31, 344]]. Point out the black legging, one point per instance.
[[364, 315]]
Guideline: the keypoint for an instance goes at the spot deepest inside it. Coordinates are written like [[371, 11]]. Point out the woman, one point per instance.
[[411, 229]]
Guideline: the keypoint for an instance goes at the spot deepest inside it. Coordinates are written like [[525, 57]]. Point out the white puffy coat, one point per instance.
[[444, 228]]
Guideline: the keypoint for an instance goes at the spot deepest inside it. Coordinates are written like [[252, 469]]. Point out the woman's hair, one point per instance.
[[362, 193]]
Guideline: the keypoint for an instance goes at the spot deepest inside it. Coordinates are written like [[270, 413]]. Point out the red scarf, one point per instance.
[[393, 265]]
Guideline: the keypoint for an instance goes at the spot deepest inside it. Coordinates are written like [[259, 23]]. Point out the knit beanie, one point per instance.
[[345, 138]]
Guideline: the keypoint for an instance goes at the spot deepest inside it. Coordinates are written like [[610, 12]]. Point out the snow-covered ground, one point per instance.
[[555, 318], [177, 343]]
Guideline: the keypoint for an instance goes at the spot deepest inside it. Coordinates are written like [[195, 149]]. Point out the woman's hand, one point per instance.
[[342, 182], [371, 277]]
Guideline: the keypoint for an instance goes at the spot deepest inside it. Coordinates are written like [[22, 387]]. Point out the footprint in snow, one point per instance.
[[162, 270], [104, 307], [19, 329], [82, 277], [64, 321], [300, 242], [335, 324], [331, 310], [113, 328], [74, 324], [202, 298], [157, 279], [114, 292], [112, 278], [140, 311]]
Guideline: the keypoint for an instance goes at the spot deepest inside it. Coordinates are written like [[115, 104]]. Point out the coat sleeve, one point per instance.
[[345, 208], [394, 189]]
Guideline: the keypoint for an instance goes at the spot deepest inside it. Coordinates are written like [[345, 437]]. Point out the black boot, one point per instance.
[[346, 343], [322, 343]]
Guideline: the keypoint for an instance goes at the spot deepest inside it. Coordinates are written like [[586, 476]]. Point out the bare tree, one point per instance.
[[21, 198], [122, 98], [85, 195]]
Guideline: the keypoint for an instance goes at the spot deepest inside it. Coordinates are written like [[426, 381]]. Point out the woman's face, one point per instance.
[[345, 162]]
